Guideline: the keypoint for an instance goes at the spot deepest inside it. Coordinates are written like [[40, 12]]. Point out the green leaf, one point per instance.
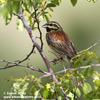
[[36, 94], [73, 2], [4, 9], [28, 2], [19, 25], [58, 91], [65, 83], [46, 94], [71, 84], [16, 85], [30, 21], [32, 14], [94, 1], [51, 95], [87, 72], [28, 6], [35, 3], [47, 18], [59, 98], [87, 88], [50, 9], [78, 93], [91, 95], [56, 2], [99, 59], [87, 62], [78, 63], [8, 19], [23, 89], [16, 7], [97, 82], [70, 95], [51, 5]]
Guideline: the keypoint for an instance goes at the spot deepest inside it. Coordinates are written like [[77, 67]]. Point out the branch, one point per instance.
[[16, 15], [81, 67], [14, 64], [36, 19], [94, 44], [40, 35], [38, 16], [73, 69], [35, 42], [20, 61]]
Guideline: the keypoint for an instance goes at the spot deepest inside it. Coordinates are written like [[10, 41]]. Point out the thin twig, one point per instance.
[[14, 64], [39, 70], [94, 44], [73, 69], [81, 67], [40, 35], [36, 19], [16, 15], [20, 61], [38, 16], [63, 66]]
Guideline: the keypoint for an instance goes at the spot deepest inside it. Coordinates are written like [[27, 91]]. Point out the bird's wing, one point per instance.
[[61, 43]]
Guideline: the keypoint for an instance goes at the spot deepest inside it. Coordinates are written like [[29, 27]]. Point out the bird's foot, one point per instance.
[[57, 59]]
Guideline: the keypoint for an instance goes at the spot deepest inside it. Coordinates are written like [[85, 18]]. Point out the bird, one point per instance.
[[60, 43]]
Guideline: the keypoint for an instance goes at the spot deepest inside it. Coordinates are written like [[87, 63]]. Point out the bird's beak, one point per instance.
[[44, 26]]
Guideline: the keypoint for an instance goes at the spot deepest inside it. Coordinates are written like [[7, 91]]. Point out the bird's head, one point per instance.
[[52, 26]]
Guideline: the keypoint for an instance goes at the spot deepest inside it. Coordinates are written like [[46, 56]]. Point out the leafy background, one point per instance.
[[81, 23]]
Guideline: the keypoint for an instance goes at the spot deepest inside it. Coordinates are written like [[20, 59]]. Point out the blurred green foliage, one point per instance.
[[32, 85], [8, 7]]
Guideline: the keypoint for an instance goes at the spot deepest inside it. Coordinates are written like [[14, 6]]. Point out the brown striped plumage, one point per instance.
[[59, 41]]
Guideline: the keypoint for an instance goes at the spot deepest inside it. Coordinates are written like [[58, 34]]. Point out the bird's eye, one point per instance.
[[50, 24]]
